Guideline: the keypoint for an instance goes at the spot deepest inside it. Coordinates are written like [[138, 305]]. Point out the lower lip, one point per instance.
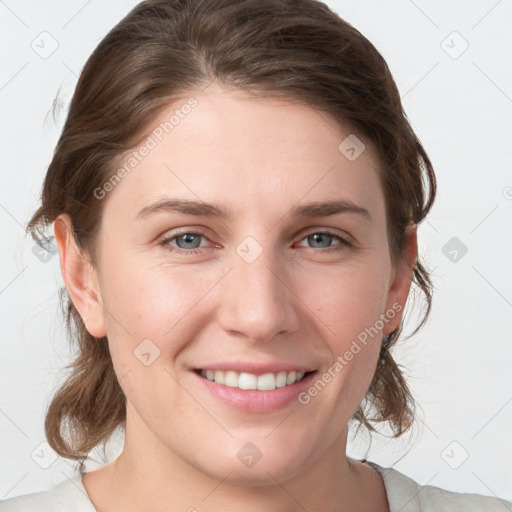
[[252, 400]]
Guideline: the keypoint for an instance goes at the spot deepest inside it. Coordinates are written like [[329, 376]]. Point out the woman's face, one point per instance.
[[264, 289]]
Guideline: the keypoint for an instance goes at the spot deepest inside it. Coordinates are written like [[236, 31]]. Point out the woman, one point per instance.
[[235, 198]]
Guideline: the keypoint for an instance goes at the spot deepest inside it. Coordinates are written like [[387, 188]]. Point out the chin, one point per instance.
[[261, 463], [260, 475]]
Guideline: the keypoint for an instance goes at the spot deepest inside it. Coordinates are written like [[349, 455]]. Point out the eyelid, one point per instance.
[[169, 237], [330, 231], [345, 240], [306, 232]]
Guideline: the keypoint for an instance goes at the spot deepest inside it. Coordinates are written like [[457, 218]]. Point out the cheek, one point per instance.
[[151, 296], [153, 315], [169, 305], [157, 303], [348, 306], [346, 300]]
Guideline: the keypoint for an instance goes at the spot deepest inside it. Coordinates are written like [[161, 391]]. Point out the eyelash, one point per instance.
[[343, 242]]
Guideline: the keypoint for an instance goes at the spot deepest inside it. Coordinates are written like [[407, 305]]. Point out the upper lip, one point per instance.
[[255, 368]]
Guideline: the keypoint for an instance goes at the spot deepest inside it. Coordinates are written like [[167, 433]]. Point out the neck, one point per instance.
[[148, 476]]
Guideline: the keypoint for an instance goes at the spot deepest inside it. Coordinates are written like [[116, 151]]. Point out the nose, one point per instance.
[[257, 299]]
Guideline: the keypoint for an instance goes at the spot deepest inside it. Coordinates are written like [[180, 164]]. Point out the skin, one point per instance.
[[294, 303]]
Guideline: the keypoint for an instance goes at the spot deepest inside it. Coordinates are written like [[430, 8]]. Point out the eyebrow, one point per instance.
[[202, 209]]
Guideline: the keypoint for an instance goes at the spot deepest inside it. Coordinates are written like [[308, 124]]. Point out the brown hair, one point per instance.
[[294, 49]]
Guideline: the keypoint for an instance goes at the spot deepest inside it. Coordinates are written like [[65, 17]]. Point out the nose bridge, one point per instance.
[[256, 301]]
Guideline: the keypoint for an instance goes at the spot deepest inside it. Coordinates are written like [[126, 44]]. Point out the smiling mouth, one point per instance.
[[250, 381]]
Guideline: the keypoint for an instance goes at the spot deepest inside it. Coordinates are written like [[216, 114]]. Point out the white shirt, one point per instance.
[[404, 495]]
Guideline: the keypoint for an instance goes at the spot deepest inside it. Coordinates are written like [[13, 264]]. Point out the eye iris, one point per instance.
[[188, 237], [182, 241], [315, 237]]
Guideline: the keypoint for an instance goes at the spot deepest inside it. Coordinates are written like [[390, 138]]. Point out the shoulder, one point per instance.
[[406, 495], [68, 496]]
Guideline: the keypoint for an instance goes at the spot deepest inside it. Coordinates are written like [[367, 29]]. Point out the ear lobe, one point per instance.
[[79, 277], [401, 279]]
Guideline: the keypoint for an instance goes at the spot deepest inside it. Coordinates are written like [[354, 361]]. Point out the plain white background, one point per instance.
[[451, 62]]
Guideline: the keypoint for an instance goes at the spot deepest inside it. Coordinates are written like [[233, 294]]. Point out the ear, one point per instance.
[[80, 278], [401, 279]]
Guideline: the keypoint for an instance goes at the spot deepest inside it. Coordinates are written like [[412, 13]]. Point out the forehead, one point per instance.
[[246, 151]]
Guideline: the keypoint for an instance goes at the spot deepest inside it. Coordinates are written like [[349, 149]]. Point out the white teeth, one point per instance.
[[231, 379], [281, 380], [265, 382], [247, 381]]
